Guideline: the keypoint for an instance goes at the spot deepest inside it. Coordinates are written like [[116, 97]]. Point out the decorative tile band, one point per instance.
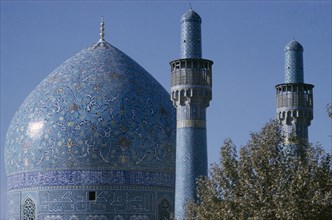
[[191, 123], [66, 203], [94, 177]]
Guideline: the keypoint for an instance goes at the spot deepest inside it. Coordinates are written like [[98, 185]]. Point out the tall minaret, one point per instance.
[[294, 98], [191, 94]]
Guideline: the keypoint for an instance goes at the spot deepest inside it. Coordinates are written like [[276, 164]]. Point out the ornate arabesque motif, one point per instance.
[[99, 110], [97, 178]]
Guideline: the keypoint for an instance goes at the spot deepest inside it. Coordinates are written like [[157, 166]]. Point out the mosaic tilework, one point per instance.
[[99, 120], [99, 110], [89, 177], [14, 199], [191, 35], [125, 204], [293, 62], [191, 161], [192, 111]]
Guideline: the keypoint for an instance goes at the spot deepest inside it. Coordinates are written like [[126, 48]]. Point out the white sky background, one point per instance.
[[245, 39]]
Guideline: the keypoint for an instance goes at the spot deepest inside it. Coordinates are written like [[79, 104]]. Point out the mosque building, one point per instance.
[[100, 139], [94, 140]]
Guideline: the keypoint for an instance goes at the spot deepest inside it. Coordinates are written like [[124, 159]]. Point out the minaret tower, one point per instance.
[[294, 97], [191, 94]]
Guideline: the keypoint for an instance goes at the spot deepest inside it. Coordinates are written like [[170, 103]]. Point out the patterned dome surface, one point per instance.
[[99, 110], [293, 45], [191, 15]]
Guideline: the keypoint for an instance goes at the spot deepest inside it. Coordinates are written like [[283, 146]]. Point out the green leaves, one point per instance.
[[265, 181]]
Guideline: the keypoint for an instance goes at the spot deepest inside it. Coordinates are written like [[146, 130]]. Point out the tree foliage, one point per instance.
[[329, 109], [266, 182]]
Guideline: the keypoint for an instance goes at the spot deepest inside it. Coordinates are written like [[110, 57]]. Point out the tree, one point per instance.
[[265, 182], [329, 109]]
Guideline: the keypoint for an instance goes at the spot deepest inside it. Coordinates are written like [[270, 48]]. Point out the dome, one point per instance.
[[293, 45], [99, 110], [191, 15], [94, 140]]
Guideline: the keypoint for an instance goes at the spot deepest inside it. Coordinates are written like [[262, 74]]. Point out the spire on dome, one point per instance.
[[102, 33]]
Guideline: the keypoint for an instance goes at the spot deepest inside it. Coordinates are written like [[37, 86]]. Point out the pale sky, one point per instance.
[[245, 39]]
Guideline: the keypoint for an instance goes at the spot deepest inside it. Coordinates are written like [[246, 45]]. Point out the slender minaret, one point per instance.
[[294, 98], [191, 94]]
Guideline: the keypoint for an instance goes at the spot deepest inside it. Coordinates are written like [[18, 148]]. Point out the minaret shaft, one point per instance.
[[191, 93], [294, 66]]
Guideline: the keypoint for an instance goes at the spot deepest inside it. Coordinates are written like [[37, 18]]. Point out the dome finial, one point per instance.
[[190, 6], [102, 33]]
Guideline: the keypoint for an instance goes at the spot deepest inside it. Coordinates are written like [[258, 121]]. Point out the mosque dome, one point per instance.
[[191, 15], [293, 45], [94, 140], [99, 110]]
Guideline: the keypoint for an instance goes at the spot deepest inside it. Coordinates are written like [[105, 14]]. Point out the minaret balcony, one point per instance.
[[191, 72]]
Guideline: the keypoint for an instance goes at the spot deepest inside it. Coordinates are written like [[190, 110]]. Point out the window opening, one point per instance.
[[164, 210], [92, 195], [29, 210]]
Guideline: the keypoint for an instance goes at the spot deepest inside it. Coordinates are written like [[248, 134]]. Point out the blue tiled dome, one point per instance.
[[293, 45], [191, 15], [99, 110]]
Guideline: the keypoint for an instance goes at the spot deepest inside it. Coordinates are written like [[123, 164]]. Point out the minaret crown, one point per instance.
[[294, 45], [293, 62], [191, 15], [191, 35]]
